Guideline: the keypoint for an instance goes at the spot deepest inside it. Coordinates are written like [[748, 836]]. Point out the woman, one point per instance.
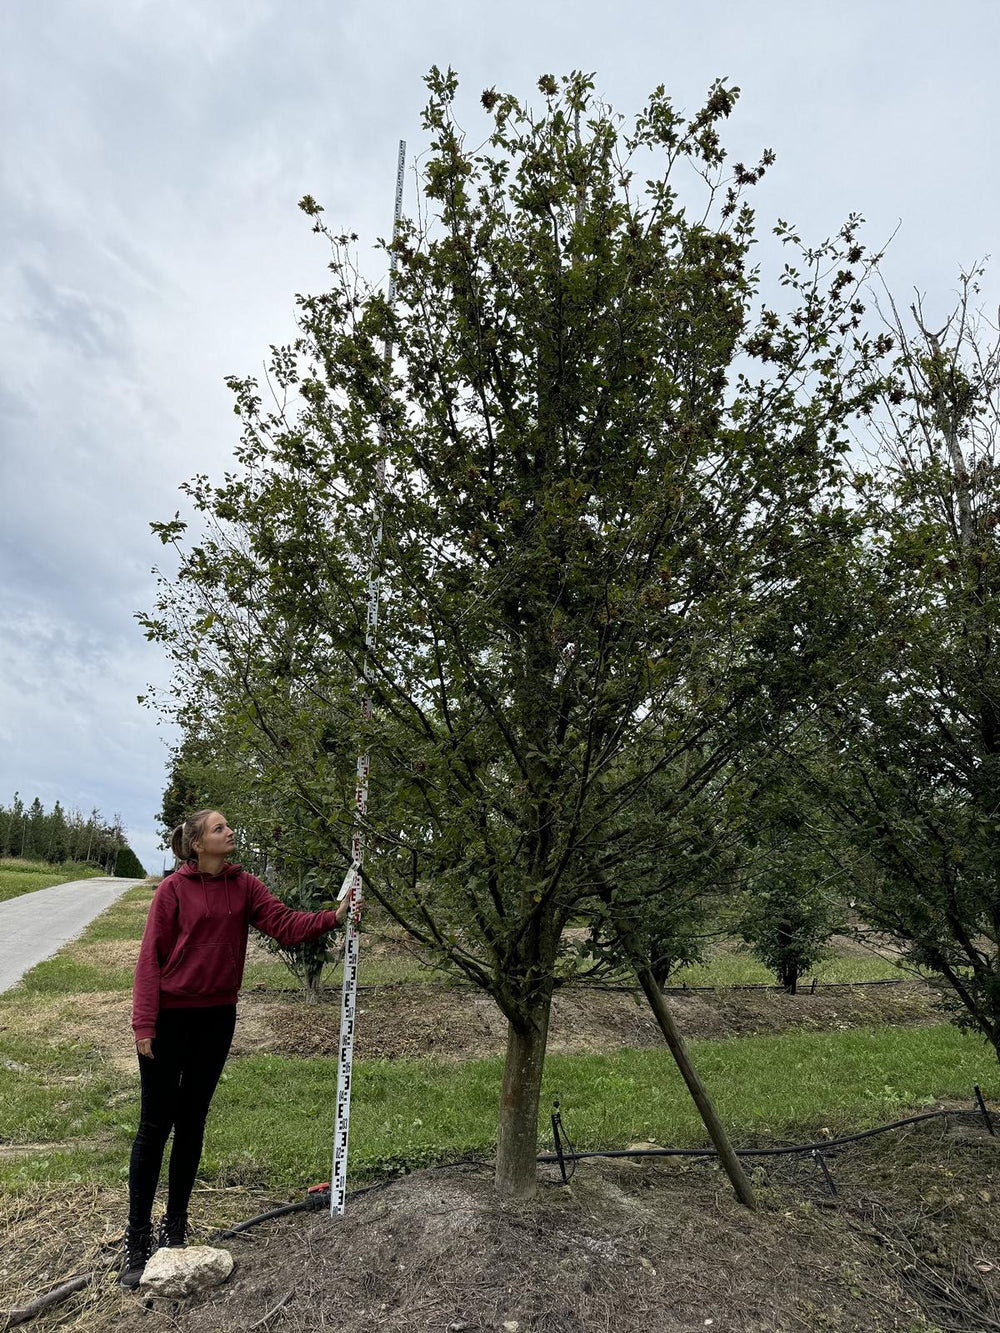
[[184, 1012]]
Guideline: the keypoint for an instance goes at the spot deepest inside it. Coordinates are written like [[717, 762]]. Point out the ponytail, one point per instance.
[[185, 835]]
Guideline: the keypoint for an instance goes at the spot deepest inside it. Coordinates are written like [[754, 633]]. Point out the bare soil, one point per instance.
[[910, 1243], [461, 1024]]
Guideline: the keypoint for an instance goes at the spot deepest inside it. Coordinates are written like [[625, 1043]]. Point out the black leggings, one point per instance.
[[189, 1050]]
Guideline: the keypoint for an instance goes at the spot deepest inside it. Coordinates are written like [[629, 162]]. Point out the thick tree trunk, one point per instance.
[[517, 1138]]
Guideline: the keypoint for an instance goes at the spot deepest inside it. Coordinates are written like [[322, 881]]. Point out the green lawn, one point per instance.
[[17, 877], [733, 967], [271, 1121], [414, 1111]]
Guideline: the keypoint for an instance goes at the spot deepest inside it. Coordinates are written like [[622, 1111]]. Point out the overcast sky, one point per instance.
[[153, 154]]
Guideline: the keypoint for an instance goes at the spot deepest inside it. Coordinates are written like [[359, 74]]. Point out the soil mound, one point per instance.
[[462, 1024], [639, 1246], [910, 1243]]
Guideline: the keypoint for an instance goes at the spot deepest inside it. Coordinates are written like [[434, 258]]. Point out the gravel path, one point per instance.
[[36, 925]]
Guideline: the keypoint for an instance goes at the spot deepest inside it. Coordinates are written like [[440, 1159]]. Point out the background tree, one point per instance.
[[917, 737], [791, 915], [14, 818], [57, 848], [127, 865], [796, 888], [56, 837], [610, 468]]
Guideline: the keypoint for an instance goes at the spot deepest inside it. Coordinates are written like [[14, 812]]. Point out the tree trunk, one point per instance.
[[788, 977], [517, 1137]]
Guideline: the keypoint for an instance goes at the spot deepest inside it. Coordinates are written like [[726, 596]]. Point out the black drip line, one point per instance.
[[683, 989], [788, 1151], [567, 1156]]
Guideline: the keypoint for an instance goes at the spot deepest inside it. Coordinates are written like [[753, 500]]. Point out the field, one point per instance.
[[628, 1241], [17, 876]]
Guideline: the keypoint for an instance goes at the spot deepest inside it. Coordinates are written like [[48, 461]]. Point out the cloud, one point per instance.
[[92, 328], [153, 157]]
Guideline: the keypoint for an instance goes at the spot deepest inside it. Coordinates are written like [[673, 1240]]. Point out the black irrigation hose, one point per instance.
[[809, 989], [762, 1152], [312, 1203], [320, 1197]]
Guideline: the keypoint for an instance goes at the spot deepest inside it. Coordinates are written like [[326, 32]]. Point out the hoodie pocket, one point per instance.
[[202, 969]]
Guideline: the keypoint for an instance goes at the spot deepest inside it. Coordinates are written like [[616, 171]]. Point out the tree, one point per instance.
[[796, 888], [127, 865], [57, 848], [789, 921], [608, 464], [55, 838], [917, 738], [13, 834], [194, 782], [34, 842]]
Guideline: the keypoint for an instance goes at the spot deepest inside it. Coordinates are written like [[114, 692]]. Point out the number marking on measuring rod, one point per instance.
[[353, 880]]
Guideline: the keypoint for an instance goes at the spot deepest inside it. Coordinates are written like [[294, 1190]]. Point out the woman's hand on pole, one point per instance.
[[145, 1047]]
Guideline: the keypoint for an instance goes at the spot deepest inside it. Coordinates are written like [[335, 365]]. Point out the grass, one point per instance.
[[271, 1120], [68, 972], [18, 877], [415, 1111], [127, 917], [65, 975], [51, 1092], [372, 971], [728, 968]]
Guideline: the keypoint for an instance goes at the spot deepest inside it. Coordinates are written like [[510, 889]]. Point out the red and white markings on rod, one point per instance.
[[353, 880]]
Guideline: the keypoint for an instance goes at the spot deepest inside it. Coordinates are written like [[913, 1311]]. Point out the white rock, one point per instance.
[[183, 1272]]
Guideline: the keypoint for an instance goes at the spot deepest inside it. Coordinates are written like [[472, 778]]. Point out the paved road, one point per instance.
[[36, 925]]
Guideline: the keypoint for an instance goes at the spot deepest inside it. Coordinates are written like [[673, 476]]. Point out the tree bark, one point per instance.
[[517, 1140]]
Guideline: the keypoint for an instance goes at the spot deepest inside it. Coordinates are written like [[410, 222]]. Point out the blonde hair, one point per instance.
[[185, 835]]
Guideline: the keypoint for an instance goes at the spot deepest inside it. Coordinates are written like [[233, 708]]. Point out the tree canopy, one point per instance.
[[614, 481]]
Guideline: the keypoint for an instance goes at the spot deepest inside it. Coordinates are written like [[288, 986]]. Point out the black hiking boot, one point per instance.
[[138, 1248], [173, 1231]]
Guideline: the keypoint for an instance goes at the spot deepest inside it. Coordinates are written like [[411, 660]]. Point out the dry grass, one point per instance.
[[48, 1236], [100, 1019]]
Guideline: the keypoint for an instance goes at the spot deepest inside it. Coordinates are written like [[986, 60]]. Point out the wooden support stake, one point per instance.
[[706, 1107], [678, 1049]]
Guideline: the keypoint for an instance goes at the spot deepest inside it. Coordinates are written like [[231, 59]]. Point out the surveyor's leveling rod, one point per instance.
[[353, 882]]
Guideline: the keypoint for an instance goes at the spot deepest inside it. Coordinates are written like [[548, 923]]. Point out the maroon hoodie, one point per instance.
[[195, 942]]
